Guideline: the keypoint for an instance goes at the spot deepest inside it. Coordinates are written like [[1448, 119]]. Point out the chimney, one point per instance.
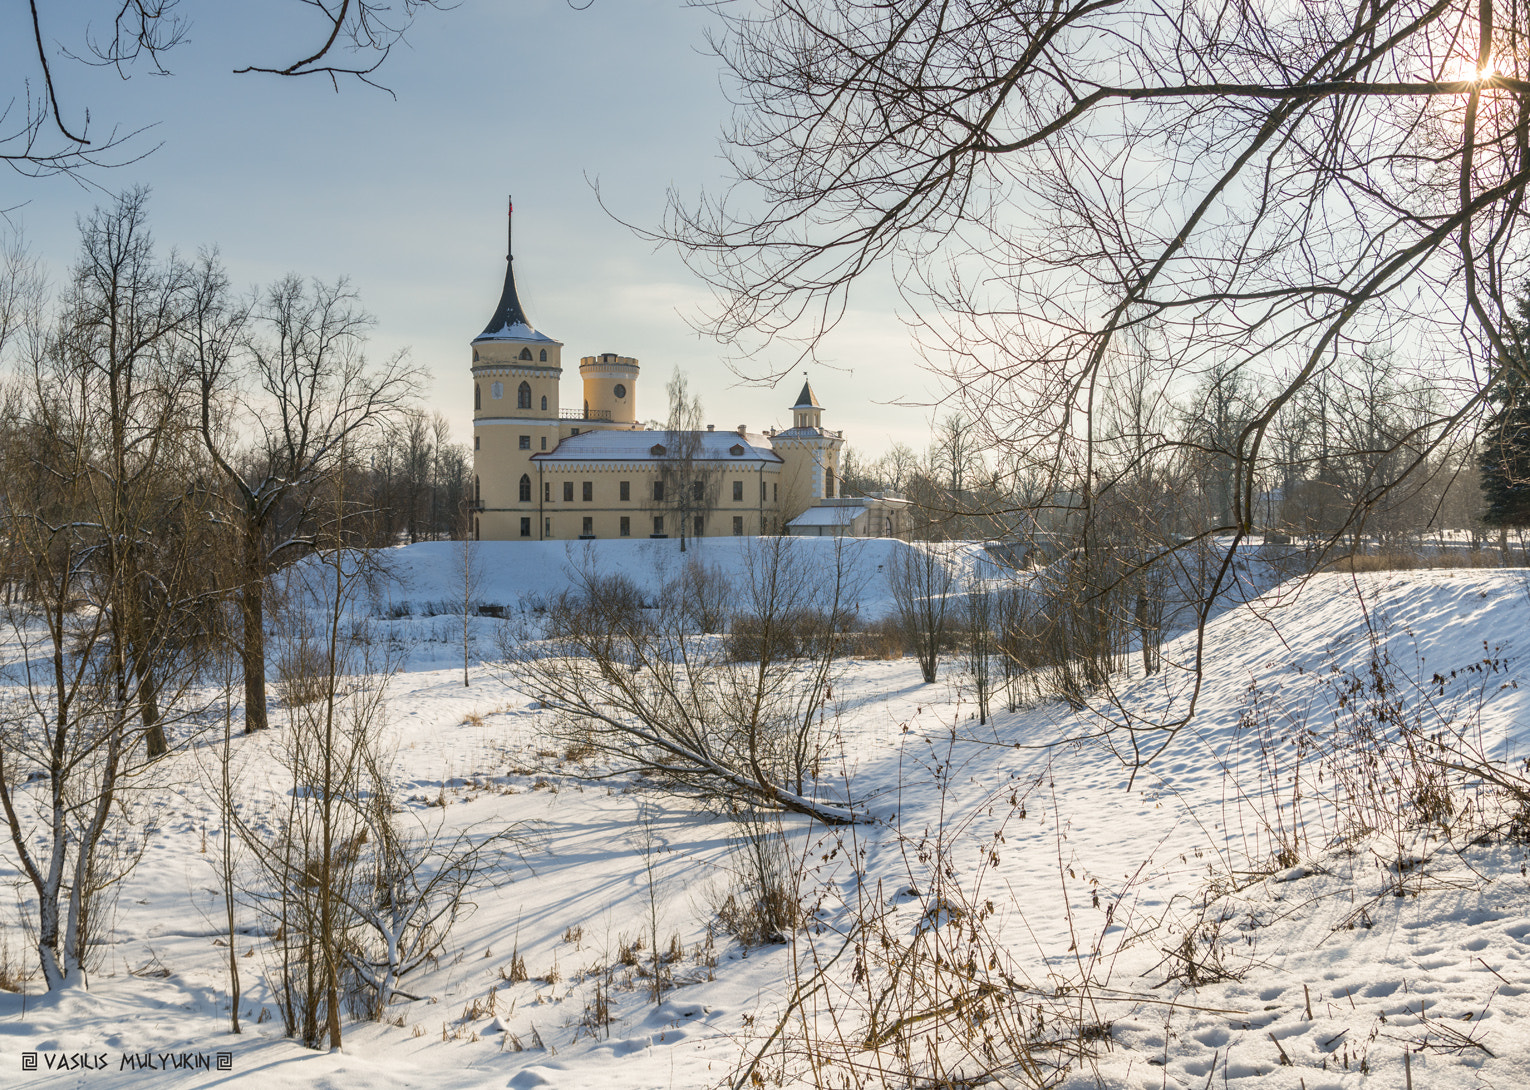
[[711, 427], [742, 428]]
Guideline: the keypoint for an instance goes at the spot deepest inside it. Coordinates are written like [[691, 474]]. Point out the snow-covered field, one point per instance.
[[1218, 919]]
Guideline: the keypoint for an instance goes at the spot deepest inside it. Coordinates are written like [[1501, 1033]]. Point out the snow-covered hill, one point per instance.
[[1228, 915]]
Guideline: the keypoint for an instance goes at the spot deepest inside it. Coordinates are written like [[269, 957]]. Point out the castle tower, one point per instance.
[[515, 414], [610, 388], [810, 456], [807, 413]]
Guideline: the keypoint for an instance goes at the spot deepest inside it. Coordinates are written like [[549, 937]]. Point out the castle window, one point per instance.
[[526, 354], [526, 527], [477, 396], [525, 442], [522, 395], [657, 450], [547, 527], [735, 450], [828, 482], [658, 526], [626, 526], [588, 529], [547, 492], [525, 488], [738, 525], [475, 355], [497, 390], [586, 410], [762, 491], [476, 442], [544, 403], [698, 492], [658, 491], [475, 490], [625, 488], [544, 355], [696, 527], [568, 491], [589, 491], [544, 438], [738, 491], [619, 390], [775, 492]]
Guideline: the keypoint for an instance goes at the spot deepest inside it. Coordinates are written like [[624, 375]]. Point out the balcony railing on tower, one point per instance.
[[589, 414]]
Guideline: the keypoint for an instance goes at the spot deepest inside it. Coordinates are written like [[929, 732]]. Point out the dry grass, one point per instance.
[[1412, 559]]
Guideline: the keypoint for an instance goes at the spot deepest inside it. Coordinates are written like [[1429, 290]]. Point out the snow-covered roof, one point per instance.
[[516, 331], [827, 516], [612, 445]]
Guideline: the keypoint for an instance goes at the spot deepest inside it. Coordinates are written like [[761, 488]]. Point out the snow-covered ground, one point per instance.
[[1151, 918]]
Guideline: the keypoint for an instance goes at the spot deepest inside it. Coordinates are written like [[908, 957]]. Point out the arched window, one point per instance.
[[544, 403], [477, 396], [544, 355], [525, 488], [525, 353], [828, 482], [523, 396]]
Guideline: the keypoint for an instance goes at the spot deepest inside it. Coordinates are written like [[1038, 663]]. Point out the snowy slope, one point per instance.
[[1089, 879]]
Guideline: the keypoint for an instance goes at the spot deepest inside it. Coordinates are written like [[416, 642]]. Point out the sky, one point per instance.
[[406, 195]]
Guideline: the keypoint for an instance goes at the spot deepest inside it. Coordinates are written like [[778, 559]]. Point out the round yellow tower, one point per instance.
[[515, 415], [610, 387]]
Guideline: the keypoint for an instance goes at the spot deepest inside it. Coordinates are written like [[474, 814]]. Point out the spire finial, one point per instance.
[[509, 312], [510, 229]]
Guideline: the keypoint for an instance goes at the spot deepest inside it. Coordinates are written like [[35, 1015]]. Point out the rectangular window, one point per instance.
[[658, 526], [525, 527], [775, 493], [477, 443], [738, 525], [698, 492], [626, 526], [762, 491], [738, 491], [568, 491], [547, 527], [547, 492], [589, 491], [696, 527], [525, 442], [588, 529], [626, 490], [658, 491], [544, 442], [573, 431]]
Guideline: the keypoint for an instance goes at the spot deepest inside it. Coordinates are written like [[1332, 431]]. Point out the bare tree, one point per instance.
[[284, 386], [687, 490], [45, 133], [738, 718], [921, 578], [1260, 188], [103, 535]]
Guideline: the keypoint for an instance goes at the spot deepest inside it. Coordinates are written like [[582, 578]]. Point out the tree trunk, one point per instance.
[[252, 650]]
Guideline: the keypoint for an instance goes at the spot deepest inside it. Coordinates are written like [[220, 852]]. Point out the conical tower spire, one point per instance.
[[509, 313]]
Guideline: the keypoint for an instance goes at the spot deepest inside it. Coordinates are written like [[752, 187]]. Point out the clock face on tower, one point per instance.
[[620, 390]]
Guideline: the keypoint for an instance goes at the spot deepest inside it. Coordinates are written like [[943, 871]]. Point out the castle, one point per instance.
[[543, 472]]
